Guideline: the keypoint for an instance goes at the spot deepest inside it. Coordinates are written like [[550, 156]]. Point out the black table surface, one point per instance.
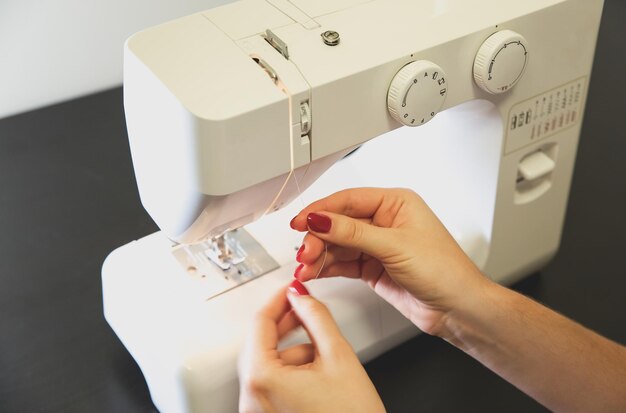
[[68, 197]]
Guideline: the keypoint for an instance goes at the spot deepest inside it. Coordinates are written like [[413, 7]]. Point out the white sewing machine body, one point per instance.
[[216, 143]]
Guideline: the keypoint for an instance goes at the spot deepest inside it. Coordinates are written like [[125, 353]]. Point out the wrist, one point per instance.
[[468, 316]]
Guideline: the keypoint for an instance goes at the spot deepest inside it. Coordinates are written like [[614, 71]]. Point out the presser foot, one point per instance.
[[227, 261]]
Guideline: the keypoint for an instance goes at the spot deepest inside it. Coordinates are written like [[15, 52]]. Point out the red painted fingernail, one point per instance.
[[292, 223], [299, 253], [297, 271], [319, 223], [297, 288]]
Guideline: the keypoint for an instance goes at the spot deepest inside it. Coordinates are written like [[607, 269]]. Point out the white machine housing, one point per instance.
[[216, 144]]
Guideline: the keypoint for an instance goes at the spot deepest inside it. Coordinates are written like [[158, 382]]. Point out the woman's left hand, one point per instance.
[[323, 376]]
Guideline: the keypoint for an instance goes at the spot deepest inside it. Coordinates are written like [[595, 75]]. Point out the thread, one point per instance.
[[323, 261], [283, 88]]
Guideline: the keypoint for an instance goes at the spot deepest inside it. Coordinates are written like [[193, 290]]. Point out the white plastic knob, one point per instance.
[[501, 61], [417, 93]]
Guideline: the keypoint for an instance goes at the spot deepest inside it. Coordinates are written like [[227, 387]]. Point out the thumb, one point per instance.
[[351, 233], [317, 321]]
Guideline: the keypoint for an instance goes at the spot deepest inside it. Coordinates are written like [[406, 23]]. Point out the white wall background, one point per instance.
[[54, 50]]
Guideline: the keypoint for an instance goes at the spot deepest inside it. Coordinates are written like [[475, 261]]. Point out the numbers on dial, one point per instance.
[[442, 92], [501, 61], [417, 93]]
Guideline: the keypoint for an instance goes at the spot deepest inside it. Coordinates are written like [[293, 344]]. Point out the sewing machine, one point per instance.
[[248, 111]]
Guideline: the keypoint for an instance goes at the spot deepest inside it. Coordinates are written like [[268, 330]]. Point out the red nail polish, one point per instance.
[[292, 223], [319, 223], [296, 287], [299, 253], [297, 271]]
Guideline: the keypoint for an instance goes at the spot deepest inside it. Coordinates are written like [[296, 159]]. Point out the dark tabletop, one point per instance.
[[68, 197]]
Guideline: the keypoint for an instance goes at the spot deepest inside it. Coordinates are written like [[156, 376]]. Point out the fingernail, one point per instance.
[[297, 271], [297, 288], [318, 223], [299, 253], [292, 223]]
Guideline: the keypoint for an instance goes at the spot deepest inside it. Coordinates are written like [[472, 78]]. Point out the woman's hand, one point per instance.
[[390, 239], [325, 376], [393, 241]]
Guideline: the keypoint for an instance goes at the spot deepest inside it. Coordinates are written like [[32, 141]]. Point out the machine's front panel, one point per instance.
[[545, 115]]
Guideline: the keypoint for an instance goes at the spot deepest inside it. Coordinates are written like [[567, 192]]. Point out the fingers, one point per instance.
[[262, 341], [319, 324], [360, 203], [276, 307], [345, 219], [288, 323], [309, 271], [264, 331], [367, 270], [348, 232], [298, 355], [349, 269], [312, 248], [357, 203]]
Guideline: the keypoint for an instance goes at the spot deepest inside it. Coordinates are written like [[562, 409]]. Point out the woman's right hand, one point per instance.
[[393, 241]]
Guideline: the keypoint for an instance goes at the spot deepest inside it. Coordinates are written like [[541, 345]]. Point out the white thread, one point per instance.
[[284, 89], [300, 197], [295, 178], [323, 261]]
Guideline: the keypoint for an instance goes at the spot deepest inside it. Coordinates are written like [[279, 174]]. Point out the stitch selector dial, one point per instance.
[[501, 62], [417, 93]]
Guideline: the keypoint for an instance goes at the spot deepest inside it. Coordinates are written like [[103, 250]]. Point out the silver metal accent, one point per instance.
[[331, 38], [305, 118], [221, 253], [277, 43], [227, 261]]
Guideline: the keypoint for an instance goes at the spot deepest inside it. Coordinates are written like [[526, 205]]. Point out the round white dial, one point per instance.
[[501, 61], [417, 93]]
